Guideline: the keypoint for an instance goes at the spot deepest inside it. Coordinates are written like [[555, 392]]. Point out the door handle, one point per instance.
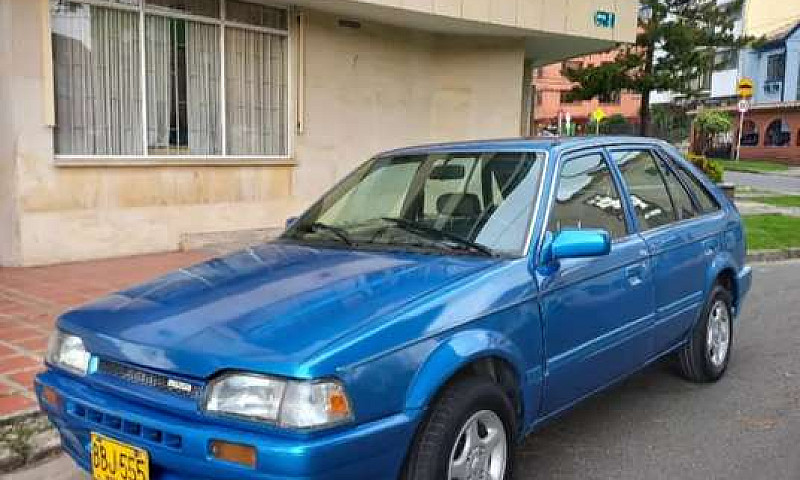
[[710, 247], [634, 274]]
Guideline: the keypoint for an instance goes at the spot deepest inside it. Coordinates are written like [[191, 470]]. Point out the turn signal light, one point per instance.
[[51, 397], [338, 404], [234, 453]]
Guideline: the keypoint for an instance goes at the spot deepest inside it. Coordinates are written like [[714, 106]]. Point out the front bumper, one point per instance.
[[179, 447]]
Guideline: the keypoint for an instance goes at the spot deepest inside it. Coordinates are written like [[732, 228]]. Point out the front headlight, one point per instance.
[[67, 351], [287, 403]]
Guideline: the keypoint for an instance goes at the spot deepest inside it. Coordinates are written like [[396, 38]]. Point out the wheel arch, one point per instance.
[[723, 272], [470, 353]]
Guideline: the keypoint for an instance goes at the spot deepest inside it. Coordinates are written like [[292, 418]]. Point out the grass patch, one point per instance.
[[772, 231], [754, 166], [779, 200]]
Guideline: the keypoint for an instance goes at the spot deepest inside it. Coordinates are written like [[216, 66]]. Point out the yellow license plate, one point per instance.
[[113, 460]]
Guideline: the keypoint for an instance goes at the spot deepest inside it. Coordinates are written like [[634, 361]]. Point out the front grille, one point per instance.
[[149, 379], [124, 425]]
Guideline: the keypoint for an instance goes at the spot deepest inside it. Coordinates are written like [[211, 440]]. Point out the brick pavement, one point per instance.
[[31, 299]]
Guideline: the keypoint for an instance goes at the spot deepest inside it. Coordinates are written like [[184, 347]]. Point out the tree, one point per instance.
[[674, 48], [708, 123], [670, 122]]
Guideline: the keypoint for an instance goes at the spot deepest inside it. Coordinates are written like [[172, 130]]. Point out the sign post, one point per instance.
[[744, 106], [568, 118], [598, 115], [745, 89]]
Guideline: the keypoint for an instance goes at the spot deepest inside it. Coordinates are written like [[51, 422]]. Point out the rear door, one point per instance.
[[680, 239], [596, 310]]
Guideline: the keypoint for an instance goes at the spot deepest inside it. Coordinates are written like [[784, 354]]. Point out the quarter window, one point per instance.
[[681, 200], [151, 77], [705, 200], [649, 195], [586, 197]]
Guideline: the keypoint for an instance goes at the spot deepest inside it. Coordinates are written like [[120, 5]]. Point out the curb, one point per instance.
[[773, 255], [26, 439]]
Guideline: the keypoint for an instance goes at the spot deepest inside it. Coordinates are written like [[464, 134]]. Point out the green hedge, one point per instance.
[[714, 169]]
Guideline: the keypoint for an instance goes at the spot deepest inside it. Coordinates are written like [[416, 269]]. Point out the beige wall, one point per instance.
[[381, 87], [764, 16], [570, 17], [73, 213], [366, 90], [11, 78]]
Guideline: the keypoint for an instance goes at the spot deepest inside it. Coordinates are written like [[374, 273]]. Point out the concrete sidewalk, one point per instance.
[[31, 299], [786, 184]]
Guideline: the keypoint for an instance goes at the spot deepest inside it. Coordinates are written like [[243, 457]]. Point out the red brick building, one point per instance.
[[549, 96], [772, 132]]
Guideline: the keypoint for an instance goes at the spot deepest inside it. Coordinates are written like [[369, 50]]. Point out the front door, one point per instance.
[[596, 311]]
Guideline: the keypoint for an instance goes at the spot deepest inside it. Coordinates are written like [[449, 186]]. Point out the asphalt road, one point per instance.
[[776, 183], [657, 426]]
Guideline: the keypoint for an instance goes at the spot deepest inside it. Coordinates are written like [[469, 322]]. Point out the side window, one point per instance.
[[682, 201], [586, 197], [649, 195], [705, 200]]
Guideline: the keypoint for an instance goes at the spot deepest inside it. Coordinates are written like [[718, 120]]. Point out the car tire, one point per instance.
[[705, 357], [442, 440]]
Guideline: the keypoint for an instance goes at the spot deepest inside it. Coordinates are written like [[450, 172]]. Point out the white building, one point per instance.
[[718, 86]]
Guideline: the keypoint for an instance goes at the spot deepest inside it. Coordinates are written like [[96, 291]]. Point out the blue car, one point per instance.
[[429, 311]]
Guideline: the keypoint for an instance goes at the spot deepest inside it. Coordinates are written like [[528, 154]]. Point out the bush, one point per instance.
[[714, 169], [708, 124]]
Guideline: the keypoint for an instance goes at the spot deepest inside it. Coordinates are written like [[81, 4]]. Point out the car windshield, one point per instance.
[[461, 203]]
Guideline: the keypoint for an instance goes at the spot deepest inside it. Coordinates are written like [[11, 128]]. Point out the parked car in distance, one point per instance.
[[425, 314]]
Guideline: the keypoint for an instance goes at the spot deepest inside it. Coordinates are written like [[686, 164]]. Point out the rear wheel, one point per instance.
[[705, 358], [467, 435]]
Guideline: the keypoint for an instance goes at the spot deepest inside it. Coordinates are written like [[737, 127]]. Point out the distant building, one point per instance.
[[550, 88], [717, 86], [772, 127]]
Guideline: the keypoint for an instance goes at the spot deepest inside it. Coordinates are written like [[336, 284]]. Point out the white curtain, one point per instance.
[[255, 85], [98, 77], [203, 72], [199, 70], [98, 96], [157, 50]]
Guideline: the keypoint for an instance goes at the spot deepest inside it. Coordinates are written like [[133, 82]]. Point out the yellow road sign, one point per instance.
[[598, 115], [745, 88]]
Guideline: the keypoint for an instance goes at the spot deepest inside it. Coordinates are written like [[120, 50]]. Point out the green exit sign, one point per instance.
[[605, 19]]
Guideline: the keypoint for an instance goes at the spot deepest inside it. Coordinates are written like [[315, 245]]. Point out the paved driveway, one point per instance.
[[657, 426], [777, 183]]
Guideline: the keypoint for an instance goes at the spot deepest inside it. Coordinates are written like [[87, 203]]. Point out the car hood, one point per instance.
[[268, 308]]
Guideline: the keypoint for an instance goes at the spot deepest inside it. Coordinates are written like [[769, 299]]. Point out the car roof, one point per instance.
[[520, 144]]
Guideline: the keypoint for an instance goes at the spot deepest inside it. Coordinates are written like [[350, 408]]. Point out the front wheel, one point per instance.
[[467, 435], [705, 358]]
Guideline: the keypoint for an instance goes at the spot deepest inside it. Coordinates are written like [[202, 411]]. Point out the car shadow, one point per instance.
[[572, 442]]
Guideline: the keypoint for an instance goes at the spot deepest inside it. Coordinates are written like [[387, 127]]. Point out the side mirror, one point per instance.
[[580, 243], [291, 221]]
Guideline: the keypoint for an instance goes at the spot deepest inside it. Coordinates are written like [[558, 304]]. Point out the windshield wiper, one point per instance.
[[439, 235], [340, 233]]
